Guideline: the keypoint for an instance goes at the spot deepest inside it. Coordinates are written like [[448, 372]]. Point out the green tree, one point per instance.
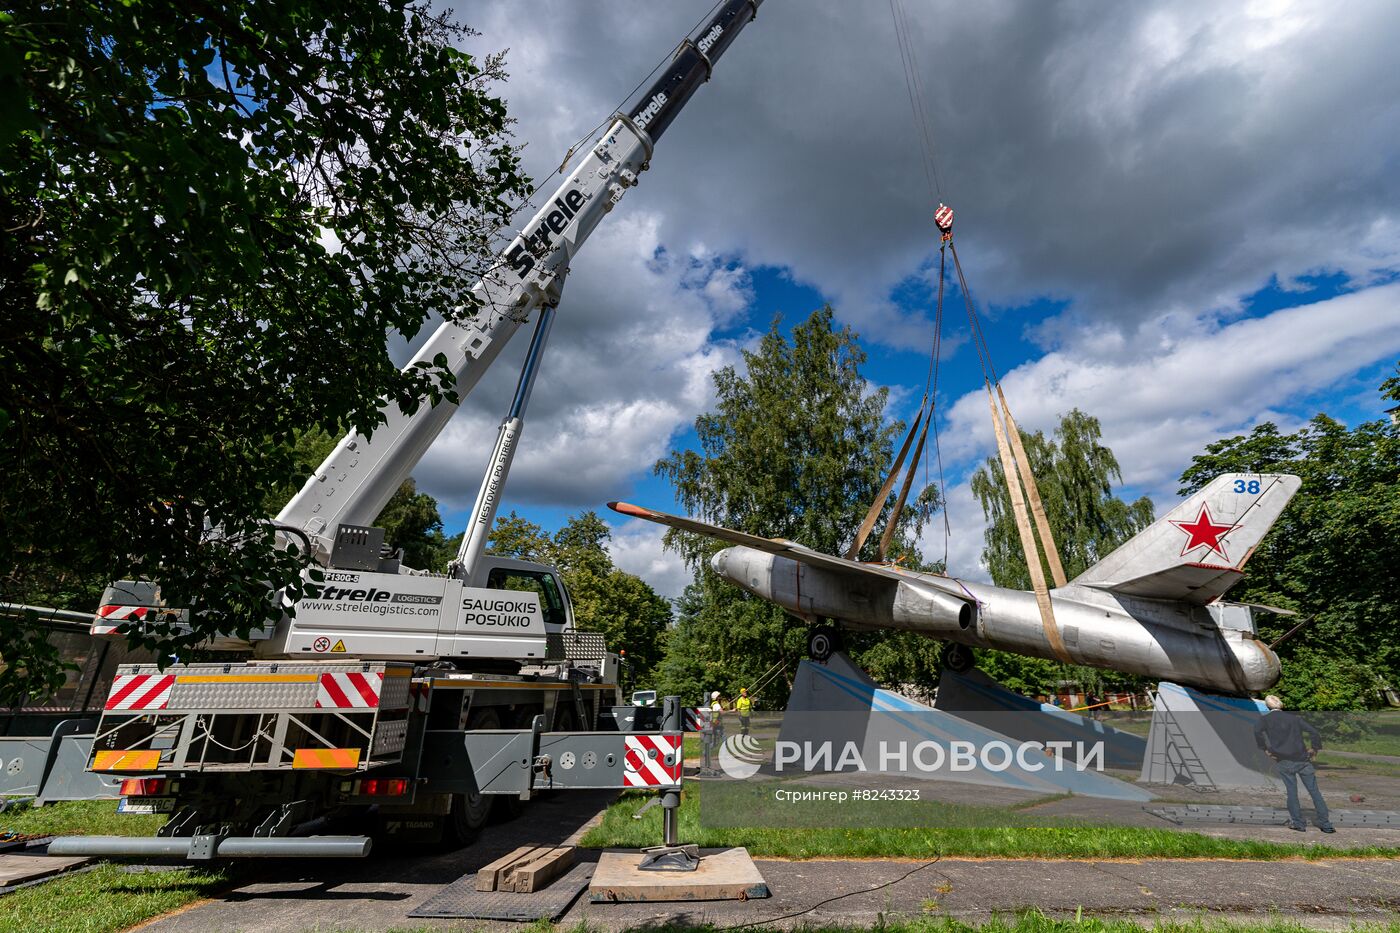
[[214, 211], [606, 599], [1075, 473], [411, 522], [1331, 556], [796, 447], [519, 538]]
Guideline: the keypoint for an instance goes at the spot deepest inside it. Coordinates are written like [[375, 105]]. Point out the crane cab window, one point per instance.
[[531, 581]]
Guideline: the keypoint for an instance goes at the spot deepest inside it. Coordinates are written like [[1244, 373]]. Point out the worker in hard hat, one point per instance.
[[744, 707], [711, 732]]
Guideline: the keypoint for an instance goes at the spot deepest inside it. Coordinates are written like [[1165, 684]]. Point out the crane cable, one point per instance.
[[914, 84], [1006, 427], [1015, 462], [926, 415], [1020, 481]]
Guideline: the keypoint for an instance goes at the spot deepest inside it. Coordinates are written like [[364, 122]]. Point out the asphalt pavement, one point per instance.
[[378, 893]]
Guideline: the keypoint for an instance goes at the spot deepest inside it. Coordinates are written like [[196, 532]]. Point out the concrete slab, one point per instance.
[[1273, 816], [727, 875], [1328, 893], [22, 867], [1206, 741], [378, 893]]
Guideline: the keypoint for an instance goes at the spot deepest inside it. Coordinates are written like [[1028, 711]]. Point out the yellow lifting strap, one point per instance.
[[1023, 529], [1042, 524], [893, 524], [873, 513]]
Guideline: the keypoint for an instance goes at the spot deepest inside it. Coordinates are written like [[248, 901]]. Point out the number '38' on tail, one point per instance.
[[1198, 550]]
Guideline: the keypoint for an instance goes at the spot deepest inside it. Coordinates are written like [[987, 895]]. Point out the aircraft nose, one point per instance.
[[720, 561]]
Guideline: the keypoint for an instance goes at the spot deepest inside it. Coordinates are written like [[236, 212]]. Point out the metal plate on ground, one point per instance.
[[1271, 816], [461, 899], [728, 875], [20, 868]]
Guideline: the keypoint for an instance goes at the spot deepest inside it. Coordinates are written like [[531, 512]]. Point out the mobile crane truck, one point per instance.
[[399, 702]]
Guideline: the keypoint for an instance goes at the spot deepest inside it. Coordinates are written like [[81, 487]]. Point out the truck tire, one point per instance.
[[470, 812]]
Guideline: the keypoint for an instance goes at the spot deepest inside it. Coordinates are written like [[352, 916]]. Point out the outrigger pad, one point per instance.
[[727, 875]]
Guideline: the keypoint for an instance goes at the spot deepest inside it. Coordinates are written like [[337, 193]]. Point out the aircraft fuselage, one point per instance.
[[1212, 647]]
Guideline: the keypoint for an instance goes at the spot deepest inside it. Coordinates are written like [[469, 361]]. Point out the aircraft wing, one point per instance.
[[789, 549]]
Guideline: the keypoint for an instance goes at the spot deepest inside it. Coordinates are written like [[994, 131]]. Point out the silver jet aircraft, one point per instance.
[[1152, 607]]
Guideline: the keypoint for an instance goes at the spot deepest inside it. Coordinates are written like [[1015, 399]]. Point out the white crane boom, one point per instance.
[[355, 482]]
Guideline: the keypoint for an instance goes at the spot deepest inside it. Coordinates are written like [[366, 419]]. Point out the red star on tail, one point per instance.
[[1204, 532]]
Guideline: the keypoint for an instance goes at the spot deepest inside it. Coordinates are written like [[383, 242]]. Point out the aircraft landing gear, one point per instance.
[[822, 642], [958, 658]]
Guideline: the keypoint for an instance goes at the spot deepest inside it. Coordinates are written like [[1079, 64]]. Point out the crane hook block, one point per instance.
[[943, 217]]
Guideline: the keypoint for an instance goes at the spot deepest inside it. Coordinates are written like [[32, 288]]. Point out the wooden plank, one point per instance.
[[490, 876], [544, 867]]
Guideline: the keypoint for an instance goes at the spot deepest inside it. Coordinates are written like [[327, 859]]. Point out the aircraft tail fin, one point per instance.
[[1198, 550]]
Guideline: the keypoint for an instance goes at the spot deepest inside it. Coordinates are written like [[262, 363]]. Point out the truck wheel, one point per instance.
[[958, 658], [823, 641], [471, 811]]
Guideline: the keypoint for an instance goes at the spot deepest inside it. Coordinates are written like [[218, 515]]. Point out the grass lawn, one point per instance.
[[108, 897], [79, 818], [990, 833]]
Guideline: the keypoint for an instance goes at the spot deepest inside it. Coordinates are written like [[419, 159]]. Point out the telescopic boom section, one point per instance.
[[356, 481]]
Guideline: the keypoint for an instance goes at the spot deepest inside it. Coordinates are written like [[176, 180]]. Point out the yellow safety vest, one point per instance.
[[743, 705]]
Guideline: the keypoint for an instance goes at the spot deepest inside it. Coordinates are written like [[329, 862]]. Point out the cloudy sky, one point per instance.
[[1183, 218]]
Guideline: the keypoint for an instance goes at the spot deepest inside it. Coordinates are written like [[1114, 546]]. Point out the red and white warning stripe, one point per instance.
[[140, 691], [694, 718], [109, 618], [651, 761], [349, 691], [943, 217]]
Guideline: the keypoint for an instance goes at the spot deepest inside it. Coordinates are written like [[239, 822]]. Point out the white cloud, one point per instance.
[[1181, 385], [1136, 159], [636, 548], [1150, 164], [628, 365], [964, 536]]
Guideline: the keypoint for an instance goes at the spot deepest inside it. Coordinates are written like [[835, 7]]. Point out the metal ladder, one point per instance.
[[1186, 766]]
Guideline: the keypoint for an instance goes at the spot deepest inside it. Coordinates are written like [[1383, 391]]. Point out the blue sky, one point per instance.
[[1009, 331], [1169, 215]]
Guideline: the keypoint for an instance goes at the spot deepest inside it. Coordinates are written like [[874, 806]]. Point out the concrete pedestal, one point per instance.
[[1206, 742]]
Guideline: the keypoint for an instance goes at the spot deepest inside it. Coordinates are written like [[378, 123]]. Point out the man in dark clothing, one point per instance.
[[1280, 734]]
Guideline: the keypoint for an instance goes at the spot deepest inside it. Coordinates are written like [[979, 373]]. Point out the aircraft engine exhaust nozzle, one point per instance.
[[811, 592]]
